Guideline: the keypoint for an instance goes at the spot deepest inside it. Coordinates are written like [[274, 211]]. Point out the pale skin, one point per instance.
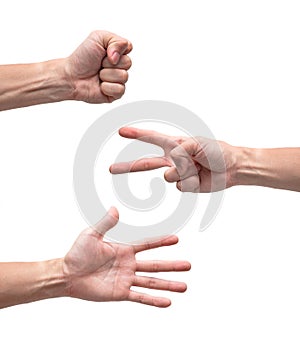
[[96, 72], [93, 270], [203, 165]]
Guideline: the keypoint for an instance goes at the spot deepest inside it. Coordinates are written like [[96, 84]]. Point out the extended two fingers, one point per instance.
[[165, 142]]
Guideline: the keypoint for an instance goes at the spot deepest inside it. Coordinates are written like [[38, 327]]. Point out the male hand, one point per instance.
[[96, 270], [97, 70], [195, 164]]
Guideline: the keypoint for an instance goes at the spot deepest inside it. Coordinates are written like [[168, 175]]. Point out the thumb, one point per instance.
[[118, 48], [108, 221]]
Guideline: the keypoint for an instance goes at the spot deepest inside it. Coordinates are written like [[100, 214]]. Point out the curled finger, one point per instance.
[[114, 90], [190, 184], [171, 175], [113, 75], [185, 165], [124, 63]]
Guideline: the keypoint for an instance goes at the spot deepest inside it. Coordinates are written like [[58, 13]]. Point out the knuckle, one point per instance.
[[174, 153], [110, 100], [124, 75], [92, 34], [146, 165], [169, 177], [120, 90], [130, 46], [155, 267], [196, 188], [152, 283], [126, 62], [113, 89], [95, 34], [105, 63], [141, 298], [179, 186], [102, 74], [180, 140], [129, 63], [166, 177]]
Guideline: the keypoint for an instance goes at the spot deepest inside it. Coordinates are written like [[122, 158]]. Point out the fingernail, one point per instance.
[[115, 57]]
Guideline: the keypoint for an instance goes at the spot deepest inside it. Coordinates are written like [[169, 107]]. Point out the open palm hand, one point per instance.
[[102, 271]]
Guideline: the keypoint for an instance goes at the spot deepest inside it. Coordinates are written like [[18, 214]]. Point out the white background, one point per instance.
[[235, 64]]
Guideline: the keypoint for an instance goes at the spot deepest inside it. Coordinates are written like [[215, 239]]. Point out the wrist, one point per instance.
[[57, 82], [54, 283], [247, 167]]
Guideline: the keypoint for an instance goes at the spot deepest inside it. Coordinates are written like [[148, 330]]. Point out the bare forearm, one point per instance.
[[276, 168], [31, 84], [27, 282]]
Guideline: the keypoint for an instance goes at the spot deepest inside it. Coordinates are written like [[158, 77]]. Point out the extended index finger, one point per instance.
[[148, 136], [162, 242]]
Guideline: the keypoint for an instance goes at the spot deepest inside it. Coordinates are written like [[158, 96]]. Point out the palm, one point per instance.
[[96, 265], [116, 273]]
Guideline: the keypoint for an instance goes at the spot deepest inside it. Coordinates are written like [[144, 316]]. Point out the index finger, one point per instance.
[[122, 45], [117, 46], [162, 242], [148, 136], [124, 63]]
